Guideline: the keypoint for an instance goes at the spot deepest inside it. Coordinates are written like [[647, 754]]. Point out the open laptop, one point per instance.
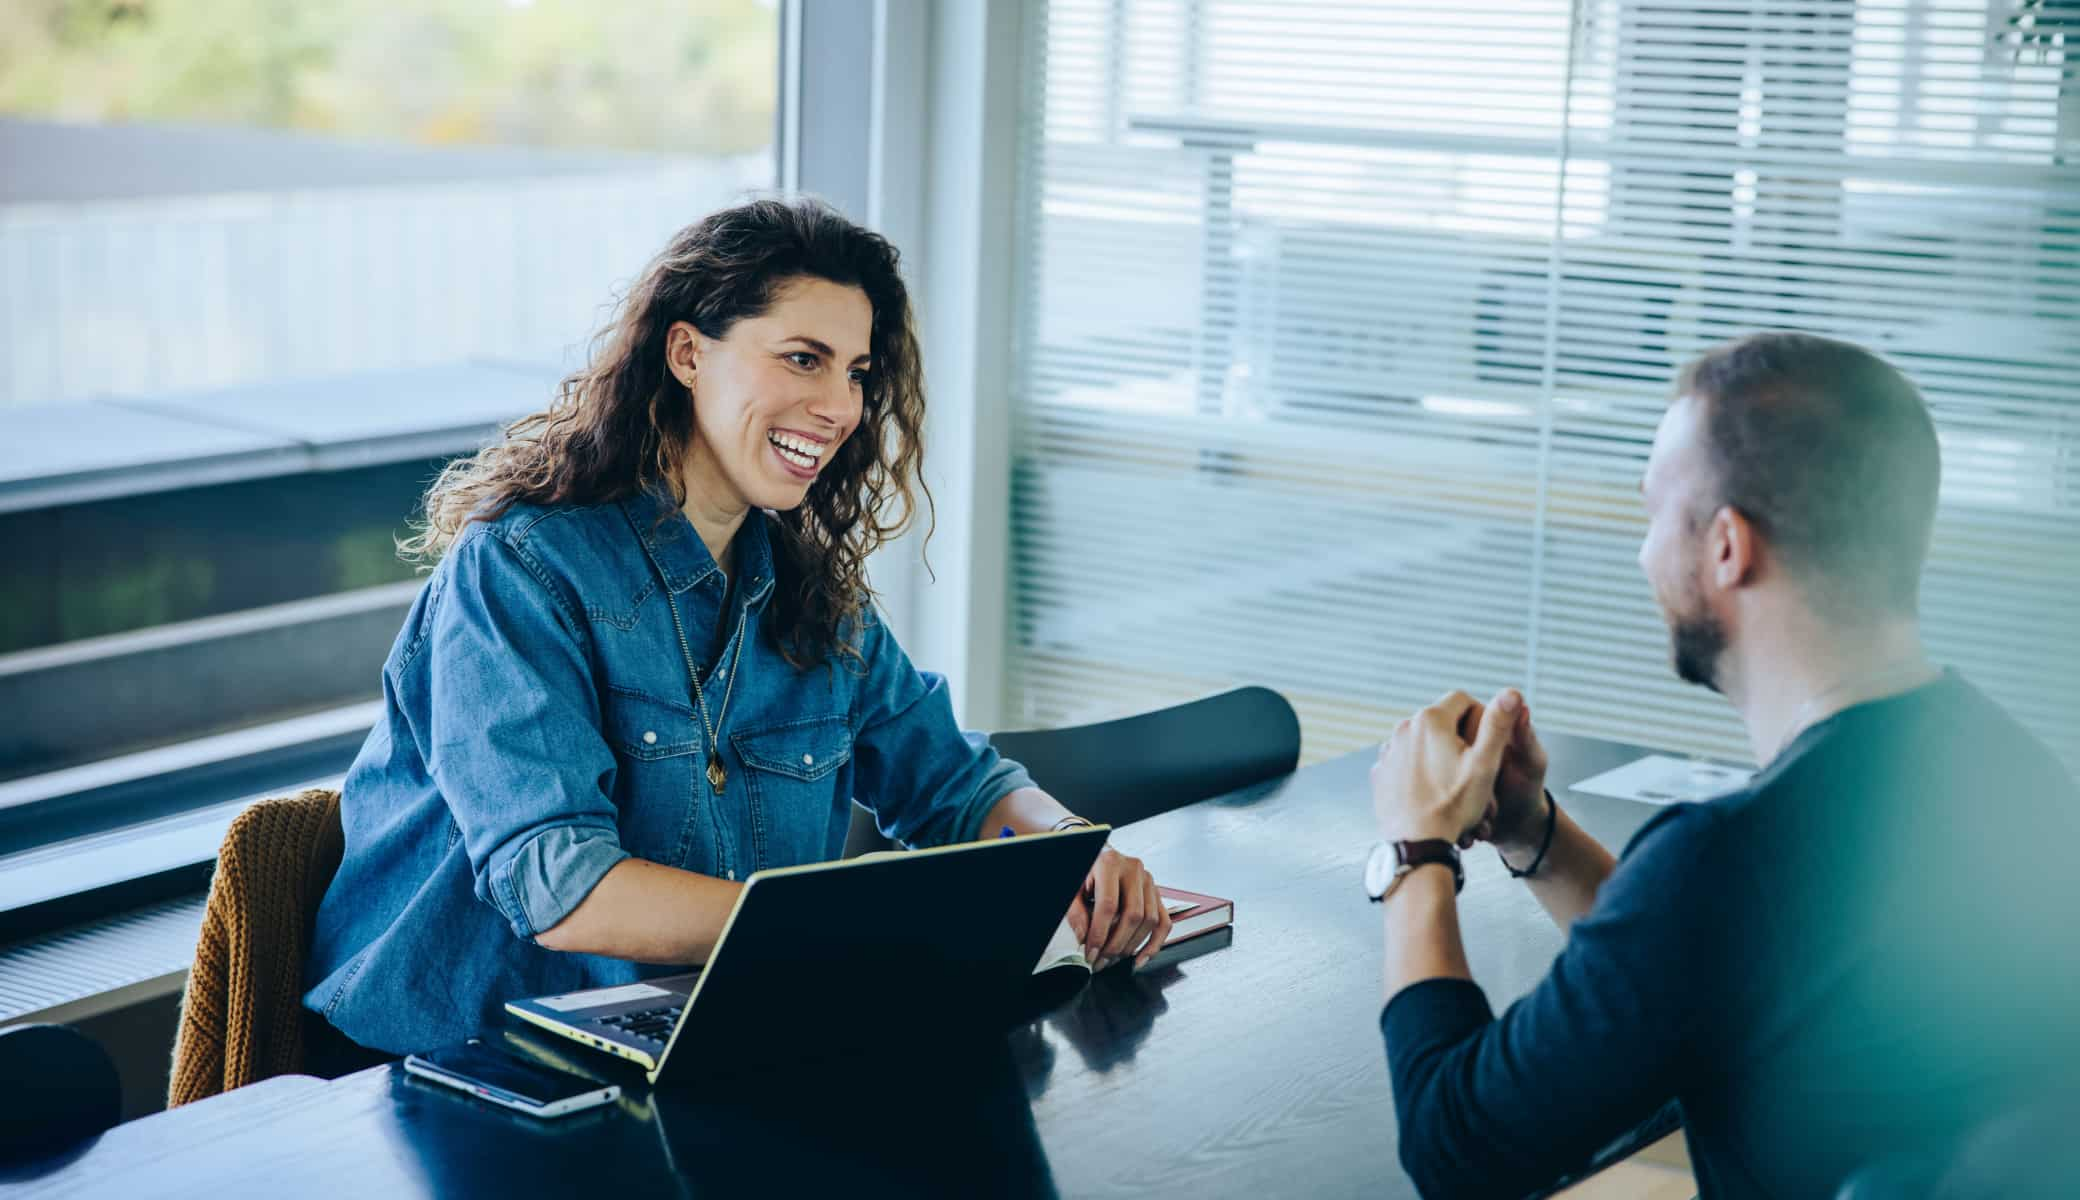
[[831, 957]]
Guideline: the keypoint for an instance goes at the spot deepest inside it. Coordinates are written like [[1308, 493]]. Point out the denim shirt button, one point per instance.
[[649, 737], [808, 760]]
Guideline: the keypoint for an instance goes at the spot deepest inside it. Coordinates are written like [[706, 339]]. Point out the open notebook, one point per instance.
[[1191, 915], [1062, 971]]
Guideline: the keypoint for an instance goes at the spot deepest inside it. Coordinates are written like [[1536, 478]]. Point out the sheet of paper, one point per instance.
[[609, 995], [1660, 779]]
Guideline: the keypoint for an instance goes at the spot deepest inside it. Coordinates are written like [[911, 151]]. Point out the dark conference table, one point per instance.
[[1253, 1069]]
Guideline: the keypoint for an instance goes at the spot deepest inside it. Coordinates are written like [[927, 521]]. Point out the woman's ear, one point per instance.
[[682, 351]]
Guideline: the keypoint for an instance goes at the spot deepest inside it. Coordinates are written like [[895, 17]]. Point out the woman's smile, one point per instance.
[[799, 454]]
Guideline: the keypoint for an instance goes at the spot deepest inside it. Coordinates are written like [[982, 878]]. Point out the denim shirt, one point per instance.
[[540, 726]]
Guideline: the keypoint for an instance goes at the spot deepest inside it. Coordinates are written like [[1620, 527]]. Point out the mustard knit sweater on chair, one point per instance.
[[242, 1013]]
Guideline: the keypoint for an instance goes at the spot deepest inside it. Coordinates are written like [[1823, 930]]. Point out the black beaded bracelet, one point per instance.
[[1552, 822]]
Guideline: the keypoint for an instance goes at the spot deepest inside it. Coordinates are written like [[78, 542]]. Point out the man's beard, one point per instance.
[[1696, 640]]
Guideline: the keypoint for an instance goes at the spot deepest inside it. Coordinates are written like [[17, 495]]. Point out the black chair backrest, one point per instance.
[[1120, 771], [57, 1086]]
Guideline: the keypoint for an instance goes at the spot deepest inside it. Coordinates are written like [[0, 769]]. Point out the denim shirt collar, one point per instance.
[[683, 559]]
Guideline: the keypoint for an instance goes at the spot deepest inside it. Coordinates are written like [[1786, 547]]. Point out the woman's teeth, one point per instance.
[[799, 451]]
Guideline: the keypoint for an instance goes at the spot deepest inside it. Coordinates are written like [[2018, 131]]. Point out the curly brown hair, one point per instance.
[[624, 423]]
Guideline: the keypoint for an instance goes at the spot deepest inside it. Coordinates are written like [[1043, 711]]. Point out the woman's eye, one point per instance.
[[859, 376], [803, 359]]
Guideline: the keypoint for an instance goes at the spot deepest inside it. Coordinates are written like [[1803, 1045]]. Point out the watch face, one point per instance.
[[1379, 870]]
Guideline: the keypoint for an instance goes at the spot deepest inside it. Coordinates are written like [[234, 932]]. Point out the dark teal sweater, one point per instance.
[[1871, 949]]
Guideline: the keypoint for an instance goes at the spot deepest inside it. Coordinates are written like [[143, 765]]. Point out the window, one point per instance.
[[264, 266], [206, 195], [1346, 328]]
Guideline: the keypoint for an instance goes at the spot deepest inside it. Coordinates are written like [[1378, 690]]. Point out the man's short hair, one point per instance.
[[1831, 453]]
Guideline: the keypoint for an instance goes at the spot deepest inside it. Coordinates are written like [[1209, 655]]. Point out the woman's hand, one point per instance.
[[1119, 912]]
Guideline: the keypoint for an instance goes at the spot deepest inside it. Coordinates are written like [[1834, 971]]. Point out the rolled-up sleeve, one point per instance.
[[551, 873], [514, 738], [927, 781]]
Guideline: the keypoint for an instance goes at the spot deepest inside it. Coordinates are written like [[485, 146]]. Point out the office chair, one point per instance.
[[57, 1086], [1125, 770]]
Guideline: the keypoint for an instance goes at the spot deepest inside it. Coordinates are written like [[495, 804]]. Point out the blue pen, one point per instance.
[[1006, 832]]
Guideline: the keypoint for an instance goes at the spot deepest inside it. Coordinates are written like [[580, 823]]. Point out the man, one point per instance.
[[1864, 954]]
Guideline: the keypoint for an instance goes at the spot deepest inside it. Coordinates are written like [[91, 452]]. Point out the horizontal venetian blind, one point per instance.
[[1346, 327]]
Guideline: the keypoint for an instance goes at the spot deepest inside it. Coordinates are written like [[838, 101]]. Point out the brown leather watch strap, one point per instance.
[[1424, 851]]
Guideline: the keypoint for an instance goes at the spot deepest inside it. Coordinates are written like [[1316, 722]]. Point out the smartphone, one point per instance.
[[496, 1076]]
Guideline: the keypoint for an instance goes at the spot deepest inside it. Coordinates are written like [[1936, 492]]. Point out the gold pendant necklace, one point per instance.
[[718, 775]]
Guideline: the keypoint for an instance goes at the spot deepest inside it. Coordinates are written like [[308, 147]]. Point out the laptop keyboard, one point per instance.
[[650, 1024]]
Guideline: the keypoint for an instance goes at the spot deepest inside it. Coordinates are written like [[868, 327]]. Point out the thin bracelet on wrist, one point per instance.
[[1069, 822], [1552, 822]]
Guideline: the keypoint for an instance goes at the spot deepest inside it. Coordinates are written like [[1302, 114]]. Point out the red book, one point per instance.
[[1193, 914]]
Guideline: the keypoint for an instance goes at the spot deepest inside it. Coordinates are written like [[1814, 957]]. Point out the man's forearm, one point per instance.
[[1574, 868], [1422, 930]]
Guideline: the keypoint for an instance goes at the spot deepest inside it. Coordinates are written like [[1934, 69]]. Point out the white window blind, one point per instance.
[[1345, 328]]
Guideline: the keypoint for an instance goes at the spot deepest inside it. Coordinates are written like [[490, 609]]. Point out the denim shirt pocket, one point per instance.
[[657, 776], [790, 771]]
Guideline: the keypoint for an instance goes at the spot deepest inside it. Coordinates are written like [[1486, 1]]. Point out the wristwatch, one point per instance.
[[1392, 860]]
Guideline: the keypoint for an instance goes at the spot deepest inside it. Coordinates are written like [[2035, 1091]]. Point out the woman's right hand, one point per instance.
[[1516, 820]]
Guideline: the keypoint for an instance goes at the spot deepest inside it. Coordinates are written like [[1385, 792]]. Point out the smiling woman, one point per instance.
[[725, 340], [647, 662]]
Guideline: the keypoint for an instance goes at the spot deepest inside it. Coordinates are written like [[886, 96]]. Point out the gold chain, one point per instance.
[[718, 775]]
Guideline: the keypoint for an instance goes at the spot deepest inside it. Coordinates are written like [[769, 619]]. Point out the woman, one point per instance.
[[646, 664]]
